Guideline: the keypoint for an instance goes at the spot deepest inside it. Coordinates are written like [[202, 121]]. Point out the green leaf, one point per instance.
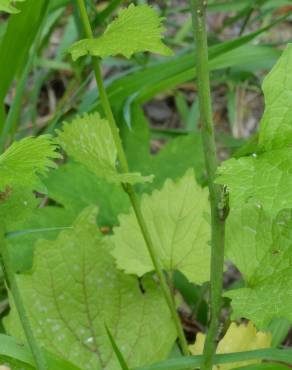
[[25, 160], [279, 329], [136, 29], [14, 51], [176, 157], [176, 220], [260, 246], [276, 124], [74, 187], [21, 246], [19, 356], [6, 6], [74, 288], [117, 351], [258, 238], [21, 165], [16, 206], [88, 139], [265, 367], [265, 178], [183, 363], [172, 161]]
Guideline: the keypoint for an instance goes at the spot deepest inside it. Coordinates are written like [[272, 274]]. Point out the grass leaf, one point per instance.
[[118, 353]]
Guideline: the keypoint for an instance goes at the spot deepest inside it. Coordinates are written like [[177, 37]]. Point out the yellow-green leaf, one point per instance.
[[75, 289], [88, 140], [136, 29], [179, 228], [8, 7], [25, 160]]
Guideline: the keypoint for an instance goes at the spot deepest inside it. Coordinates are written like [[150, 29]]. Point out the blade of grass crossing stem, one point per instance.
[[128, 188], [13, 286], [265, 367], [191, 362], [218, 200], [115, 347]]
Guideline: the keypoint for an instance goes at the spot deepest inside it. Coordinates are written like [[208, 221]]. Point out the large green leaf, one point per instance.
[[19, 357], [176, 157], [261, 247], [45, 222], [16, 206], [136, 29], [171, 162], [266, 178], [276, 124], [75, 288], [258, 227], [179, 228], [89, 140], [74, 187], [8, 7]]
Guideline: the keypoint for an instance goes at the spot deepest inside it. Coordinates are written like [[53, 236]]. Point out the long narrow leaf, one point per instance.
[[118, 353], [13, 234], [264, 367], [269, 354], [165, 75]]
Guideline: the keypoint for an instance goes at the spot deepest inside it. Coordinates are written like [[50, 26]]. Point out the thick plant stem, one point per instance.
[[11, 282], [219, 205], [129, 189]]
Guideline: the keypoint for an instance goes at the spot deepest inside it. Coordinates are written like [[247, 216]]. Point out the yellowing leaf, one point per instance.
[[176, 220], [88, 139], [6, 6], [136, 29], [238, 338], [75, 288]]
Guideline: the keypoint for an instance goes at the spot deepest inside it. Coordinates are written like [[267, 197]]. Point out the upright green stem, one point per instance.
[[129, 188], [219, 206], [13, 286]]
